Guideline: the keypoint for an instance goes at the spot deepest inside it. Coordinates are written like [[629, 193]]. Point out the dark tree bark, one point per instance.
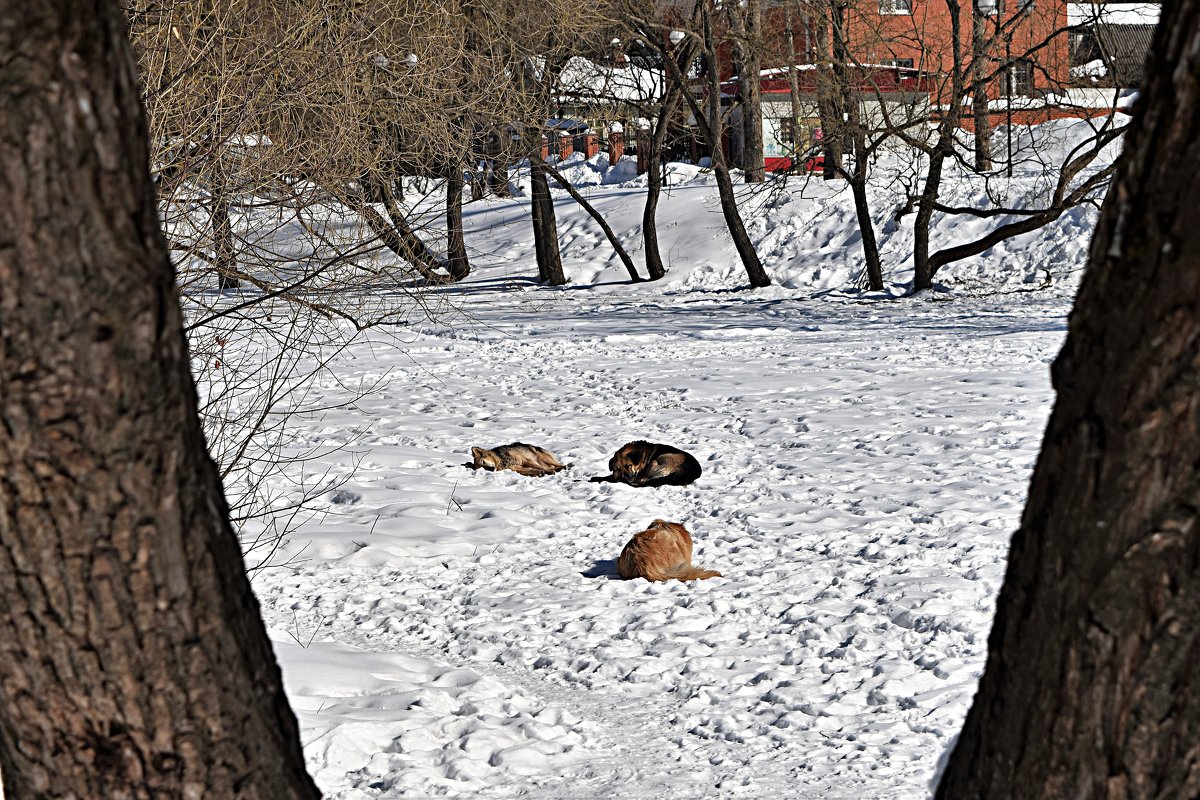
[[457, 262], [133, 661], [680, 54], [545, 228], [862, 210], [850, 102], [1092, 685], [654, 182], [397, 236], [540, 84], [829, 95], [746, 23], [224, 252], [798, 147], [943, 149]]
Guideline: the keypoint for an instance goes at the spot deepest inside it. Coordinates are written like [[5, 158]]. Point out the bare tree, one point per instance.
[[1052, 174], [133, 662], [700, 27]]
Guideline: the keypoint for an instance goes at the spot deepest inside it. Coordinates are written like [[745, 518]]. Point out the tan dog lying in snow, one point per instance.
[[521, 458], [662, 552]]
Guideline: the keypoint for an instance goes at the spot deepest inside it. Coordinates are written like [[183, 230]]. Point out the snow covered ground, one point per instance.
[[462, 632], [444, 631]]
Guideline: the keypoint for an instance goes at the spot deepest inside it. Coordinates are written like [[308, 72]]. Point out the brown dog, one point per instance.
[[662, 552], [647, 464], [521, 458]]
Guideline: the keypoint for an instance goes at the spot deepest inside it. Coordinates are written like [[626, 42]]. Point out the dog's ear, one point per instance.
[[477, 454]]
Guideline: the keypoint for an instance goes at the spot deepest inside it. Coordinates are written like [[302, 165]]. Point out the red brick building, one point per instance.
[[1026, 43]]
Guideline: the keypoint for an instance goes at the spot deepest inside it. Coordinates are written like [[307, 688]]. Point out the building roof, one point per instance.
[[1124, 49], [1142, 13], [583, 80]]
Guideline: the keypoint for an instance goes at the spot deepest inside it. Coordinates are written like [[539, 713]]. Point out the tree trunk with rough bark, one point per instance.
[[979, 96], [545, 228], [798, 146], [1092, 685], [829, 96], [133, 661], [862, 210], [857, 141], [457, 262], [680, 55], [747, 28], [654, 181], [224, 252], [942, 150]]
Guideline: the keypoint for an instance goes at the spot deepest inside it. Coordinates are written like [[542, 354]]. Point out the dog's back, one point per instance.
[[662, 552], [648, 464], [524, 459]]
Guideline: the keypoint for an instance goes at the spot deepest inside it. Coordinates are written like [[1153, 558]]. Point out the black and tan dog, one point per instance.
[[647, 464], [662, 552], [521, 458]]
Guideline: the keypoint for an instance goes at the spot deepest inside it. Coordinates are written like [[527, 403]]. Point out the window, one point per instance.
[[895, 6], [1020, 77]]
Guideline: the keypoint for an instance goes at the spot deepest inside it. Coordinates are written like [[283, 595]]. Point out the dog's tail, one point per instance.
[[686, 572]]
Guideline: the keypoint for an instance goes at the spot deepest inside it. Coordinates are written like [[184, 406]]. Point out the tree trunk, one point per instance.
[[922, 270], [1092, 687], [798, 146], [457, 262], [133, 661], [752, 93], [224, 251], [979, 95], [545, 228], [942, 149], [654, 179], [829, 97], [748, 53], [849, 96], [711, 127], [397, 236], [862, 208]]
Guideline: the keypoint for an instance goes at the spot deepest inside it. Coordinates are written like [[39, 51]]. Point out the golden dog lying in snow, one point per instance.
[[662, 552]]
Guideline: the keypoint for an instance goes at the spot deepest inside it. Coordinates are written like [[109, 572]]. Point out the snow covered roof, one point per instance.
[[583, 79], [566, 125], [1113, 13]]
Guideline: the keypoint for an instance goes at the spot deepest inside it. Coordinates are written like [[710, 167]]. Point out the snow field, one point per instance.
[[865, 465]]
